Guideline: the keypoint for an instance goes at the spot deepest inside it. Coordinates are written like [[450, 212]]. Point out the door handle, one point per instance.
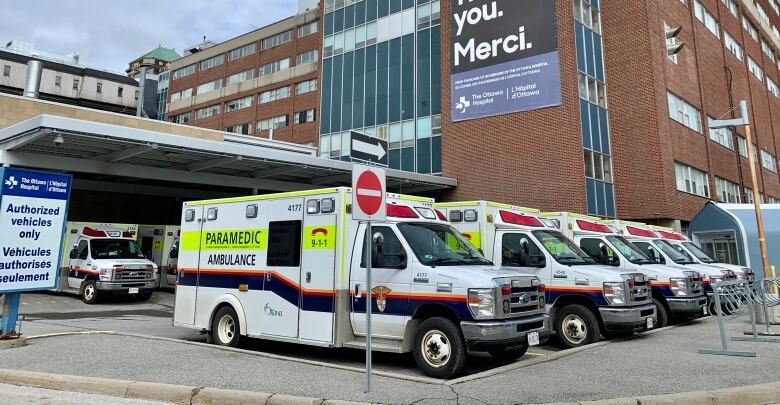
[[357, 290], [268, 277], [308, 277]]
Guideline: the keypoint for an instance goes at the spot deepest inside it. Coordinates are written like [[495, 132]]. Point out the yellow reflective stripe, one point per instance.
[[238, 239], [189, 240], [474, 237], [264, 197], [343, 233], [319, 237], [456, 204]]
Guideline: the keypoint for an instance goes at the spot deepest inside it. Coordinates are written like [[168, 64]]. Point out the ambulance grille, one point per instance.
[[138, 274], [640, 292], [695, 286], [524, 298]]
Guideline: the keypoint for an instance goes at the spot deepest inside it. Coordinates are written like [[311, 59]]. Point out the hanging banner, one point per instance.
[[32, 218], [504, 57]]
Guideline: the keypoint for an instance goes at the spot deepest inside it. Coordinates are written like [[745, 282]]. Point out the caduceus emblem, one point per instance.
[[380, 292]]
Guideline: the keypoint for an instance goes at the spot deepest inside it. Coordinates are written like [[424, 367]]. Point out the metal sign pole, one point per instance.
[[369, 243]]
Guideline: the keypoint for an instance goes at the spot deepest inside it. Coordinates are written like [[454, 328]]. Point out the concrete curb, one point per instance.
[[11, 343]]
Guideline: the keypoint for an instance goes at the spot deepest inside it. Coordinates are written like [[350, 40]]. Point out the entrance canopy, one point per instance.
[[118, 154]]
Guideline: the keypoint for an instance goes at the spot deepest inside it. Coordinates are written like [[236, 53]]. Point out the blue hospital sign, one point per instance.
[[32, 215], [504, 57]]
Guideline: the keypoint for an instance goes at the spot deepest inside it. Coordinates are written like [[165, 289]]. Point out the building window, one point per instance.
[[211, 62], [75, 83], [307, 29], [684, 113], [273, 95], [306, 87], [58, 81], [306, 57], [238, 104], [775, 6], [302, 117], [727, 191], [733, 46], [99, 88], [772, 87], [242, 51], [749, 195], [183, 72], [587, 15], [742, 145], [210, 86], [692, 180], [706, 18], [771, 200], [598, 166], [207, 112], [723, 136], [751, 30], [120, 91], [755, 69], [768, 161], [767, 50], [181, 95], [275, 122], [136, 99], [274, 67], [182, 118], [6, 71], [592, 90], [761, 12], [276, 40], [242, 129], [731, 5], [241, 76]]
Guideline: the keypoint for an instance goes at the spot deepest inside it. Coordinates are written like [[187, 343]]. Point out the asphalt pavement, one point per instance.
[[18, 395]]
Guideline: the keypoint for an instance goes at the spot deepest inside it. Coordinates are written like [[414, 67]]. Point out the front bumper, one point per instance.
[[504, 334], [687, 306], [629, 319], [124, 288]]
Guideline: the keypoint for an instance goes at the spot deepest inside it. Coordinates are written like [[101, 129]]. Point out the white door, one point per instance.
[[318, 276], [80, 265], [189, 265]]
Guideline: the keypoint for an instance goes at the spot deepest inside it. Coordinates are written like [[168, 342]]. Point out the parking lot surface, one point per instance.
[[657, 363]]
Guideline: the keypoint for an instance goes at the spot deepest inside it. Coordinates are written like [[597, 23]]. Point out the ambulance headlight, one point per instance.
[[678, 286], [615, 293], [106, 274], [313, 207], [482, 303], [328, 205]]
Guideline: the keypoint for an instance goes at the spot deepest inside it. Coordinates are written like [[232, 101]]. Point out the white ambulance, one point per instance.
[[156, 243], [172, 272], [695, 253], [290, 267], [584, 298], [99, 259], [662, 252], [675, 292]]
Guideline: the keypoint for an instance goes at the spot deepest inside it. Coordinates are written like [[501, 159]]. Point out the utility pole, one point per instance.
[[744, 121]]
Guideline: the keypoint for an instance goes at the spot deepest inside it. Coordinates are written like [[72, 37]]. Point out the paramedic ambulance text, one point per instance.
[[484, 50]]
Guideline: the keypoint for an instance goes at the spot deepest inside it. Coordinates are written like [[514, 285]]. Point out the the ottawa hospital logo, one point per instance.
[[462, 104], [11, 182], [380, 292]]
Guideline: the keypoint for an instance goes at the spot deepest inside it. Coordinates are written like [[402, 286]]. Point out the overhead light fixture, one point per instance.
[[58, 140]]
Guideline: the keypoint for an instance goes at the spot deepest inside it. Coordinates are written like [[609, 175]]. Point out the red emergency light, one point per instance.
[[93, 232], [400, 211], [645, 233], [127, 234], [441, 216], [671, 235], [593, 227], [517, 219]]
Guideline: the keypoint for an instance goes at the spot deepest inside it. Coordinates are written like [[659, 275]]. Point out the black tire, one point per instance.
[[89, 292], [431, 335], [144, 296], [225, 327], [576, 326], [662, 314], [509, 355]]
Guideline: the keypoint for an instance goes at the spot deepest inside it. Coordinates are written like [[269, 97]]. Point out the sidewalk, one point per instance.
[[658, 363]]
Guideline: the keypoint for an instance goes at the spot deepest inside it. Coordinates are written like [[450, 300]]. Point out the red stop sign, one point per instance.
[[368, 193]]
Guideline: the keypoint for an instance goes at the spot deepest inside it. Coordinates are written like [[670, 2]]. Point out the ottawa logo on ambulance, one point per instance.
[[380, 292]]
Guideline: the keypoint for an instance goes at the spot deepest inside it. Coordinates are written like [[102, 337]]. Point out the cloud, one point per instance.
[[112, 33]]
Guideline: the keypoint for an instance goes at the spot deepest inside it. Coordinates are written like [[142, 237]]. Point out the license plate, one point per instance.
[[704, 310], [649, 323], [533, 339], [133, 291]]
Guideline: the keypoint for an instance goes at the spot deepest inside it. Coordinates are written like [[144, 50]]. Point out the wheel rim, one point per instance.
[[89, 292], [574, 329], [436, 348], [226, 329]]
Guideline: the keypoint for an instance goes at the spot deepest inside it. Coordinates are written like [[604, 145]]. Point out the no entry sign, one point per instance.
[[368, 193]]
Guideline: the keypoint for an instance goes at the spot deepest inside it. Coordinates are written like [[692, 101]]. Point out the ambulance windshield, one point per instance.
[[700, 254], [562, 249], [440, 245], [676, 255], [115, 249], [632, 253]]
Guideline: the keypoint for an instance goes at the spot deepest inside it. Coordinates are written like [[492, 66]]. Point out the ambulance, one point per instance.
[[156, 243], [584, 299], [100, 259], [696, 254], [662, 252], [676, 292], [172, 272], [290, 267]]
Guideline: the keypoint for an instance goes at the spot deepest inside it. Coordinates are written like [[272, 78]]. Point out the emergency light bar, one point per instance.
[[645, 233], [517, 219], [400, 211], [671, 235], [593, 227], [93, 232], [441, 216]]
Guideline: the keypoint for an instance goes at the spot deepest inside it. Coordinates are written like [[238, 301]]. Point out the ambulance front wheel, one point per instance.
[[225, 329], [439, 348], [576, 326], [89, 292]]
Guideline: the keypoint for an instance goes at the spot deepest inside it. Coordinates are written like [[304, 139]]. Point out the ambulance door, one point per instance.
[[79, 264], [318, 276], [281, 298], [189, 265]]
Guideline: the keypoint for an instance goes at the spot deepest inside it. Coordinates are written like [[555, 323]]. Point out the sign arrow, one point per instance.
[[373, 149], [368, 149]]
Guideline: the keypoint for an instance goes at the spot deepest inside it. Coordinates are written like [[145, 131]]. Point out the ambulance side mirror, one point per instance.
[[74, 253]]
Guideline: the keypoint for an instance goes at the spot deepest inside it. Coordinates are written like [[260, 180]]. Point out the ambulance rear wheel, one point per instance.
[[89, 292], [509, 355], [225, 329], [439, 349], [576, 326]]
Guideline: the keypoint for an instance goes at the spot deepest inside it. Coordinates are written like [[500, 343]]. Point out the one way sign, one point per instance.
[[368, 149]]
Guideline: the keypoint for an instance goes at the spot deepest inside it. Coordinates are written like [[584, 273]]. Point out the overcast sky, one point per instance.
[[112, 33]]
